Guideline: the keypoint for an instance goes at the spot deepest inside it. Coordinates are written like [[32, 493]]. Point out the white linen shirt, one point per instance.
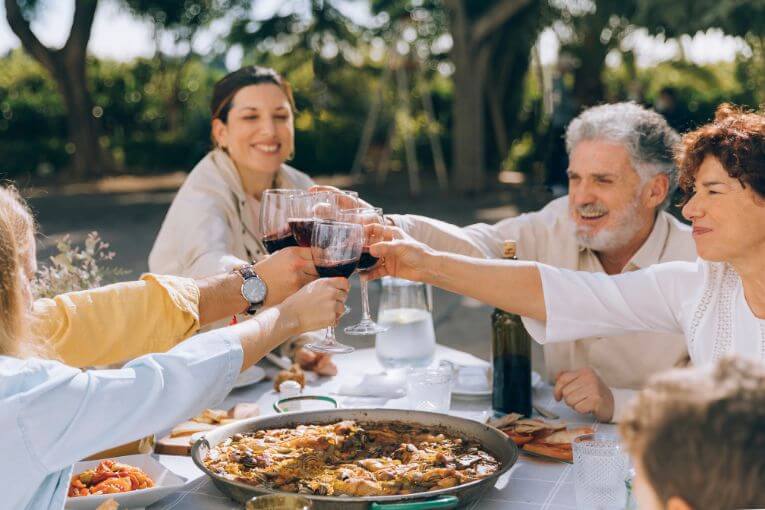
[[212, 225], [53, 415], [548, 236], [703, 300]]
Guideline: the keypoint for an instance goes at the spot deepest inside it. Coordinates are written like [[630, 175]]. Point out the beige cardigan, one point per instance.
[[210, 227]]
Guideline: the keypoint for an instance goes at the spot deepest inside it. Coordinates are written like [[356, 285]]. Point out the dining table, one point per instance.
[[532, 483]]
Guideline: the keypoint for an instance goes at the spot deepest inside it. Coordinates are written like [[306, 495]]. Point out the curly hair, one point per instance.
[[693, 426], [736, 138]]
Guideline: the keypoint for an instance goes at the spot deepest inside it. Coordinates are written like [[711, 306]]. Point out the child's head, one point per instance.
[[697, 437]]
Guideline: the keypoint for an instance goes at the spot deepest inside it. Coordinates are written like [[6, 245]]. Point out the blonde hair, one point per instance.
[[16, 230], [699, 435]]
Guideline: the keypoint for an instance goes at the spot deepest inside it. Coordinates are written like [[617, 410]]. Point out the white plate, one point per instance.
[[473, 382], [165, 483], [252, 375]]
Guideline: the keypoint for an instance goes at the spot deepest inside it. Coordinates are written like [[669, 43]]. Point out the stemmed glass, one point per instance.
[[365, 216], [274, 215], [305, 210], [335, 249]]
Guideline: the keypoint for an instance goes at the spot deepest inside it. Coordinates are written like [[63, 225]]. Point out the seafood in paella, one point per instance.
[[352, 459]]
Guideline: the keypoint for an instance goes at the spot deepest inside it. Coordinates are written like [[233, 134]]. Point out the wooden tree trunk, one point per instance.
[[468, 122], [468, 131], [67, 67], [89, 158]]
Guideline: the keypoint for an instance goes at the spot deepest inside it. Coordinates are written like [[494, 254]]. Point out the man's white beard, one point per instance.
[[616, 236]]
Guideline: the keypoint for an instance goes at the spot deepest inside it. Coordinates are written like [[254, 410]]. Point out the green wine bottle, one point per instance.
[[511, 357]]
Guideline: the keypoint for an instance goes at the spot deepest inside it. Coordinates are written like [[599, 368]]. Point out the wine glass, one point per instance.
[[365, 216], [335, 249], [274, 215], [306, 209]]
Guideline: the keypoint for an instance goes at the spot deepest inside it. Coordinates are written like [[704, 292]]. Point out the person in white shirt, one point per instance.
[[717, 302], [53, 415], [621, 177]]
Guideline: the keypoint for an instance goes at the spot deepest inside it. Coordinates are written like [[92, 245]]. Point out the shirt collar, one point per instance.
[[650, 252]]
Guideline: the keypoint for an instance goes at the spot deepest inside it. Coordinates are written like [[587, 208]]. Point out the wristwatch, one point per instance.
[[254, 290]]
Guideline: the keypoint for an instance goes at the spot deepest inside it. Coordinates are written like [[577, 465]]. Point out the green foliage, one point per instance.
[[74, 268], [155, 111]]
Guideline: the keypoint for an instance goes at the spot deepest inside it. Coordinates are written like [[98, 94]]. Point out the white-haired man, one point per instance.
[[621, 177]]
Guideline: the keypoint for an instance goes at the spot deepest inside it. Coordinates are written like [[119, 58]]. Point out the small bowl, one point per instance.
[[305, 403], [165, 483], [279, 502]]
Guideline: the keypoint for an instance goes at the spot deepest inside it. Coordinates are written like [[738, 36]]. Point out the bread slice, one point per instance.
[[188, 428]]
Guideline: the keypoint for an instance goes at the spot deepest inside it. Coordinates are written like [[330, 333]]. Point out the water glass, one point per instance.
[[429, 389], [600, 468]]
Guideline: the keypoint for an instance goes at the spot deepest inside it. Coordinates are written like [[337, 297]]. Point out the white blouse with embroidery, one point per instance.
[[703, 300]]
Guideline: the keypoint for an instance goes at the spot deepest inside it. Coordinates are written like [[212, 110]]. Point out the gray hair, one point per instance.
[[644, 133]]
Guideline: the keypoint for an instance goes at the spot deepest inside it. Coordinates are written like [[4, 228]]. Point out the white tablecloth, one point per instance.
[[533, 484]]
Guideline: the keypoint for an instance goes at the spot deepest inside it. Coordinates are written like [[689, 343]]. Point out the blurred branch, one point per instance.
[[495, 17], [82, 24], [23, 31]]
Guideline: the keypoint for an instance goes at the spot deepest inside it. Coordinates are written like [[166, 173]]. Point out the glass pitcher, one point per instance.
[[405, 309]]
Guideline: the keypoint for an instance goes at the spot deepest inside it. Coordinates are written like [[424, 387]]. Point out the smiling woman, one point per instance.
[[212, 225]]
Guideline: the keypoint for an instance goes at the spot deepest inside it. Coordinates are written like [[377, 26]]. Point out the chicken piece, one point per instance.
[[305, 358], [358, 487], [295, 373], [435, 474], [372, 465], [325, 366]]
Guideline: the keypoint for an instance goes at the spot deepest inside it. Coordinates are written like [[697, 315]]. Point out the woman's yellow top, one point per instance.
[[118, 322]]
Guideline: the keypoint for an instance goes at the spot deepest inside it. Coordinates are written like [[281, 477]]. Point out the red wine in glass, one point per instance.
[[302, 229], [366, 261], [344, 269], [275, 242]]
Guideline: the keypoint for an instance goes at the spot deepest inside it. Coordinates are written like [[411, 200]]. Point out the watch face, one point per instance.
[[254, 290]]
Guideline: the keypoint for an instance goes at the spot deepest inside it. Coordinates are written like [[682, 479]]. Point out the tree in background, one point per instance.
[[180, 20], [67, 66], [177, 23], [743, 18], [491, 45]]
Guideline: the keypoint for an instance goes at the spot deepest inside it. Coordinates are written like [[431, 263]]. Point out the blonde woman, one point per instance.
[[52, 414]]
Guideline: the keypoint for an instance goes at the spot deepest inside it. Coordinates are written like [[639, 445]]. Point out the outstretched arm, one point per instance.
[[562, 305], [68, 414], [510, 285], [124, 320]]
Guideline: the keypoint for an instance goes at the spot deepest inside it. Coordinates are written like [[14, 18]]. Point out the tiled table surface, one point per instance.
[[532, 484]]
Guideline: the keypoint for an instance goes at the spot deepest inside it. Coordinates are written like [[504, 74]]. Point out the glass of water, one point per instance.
[[429, 389], [405, 310], [600, 468]]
